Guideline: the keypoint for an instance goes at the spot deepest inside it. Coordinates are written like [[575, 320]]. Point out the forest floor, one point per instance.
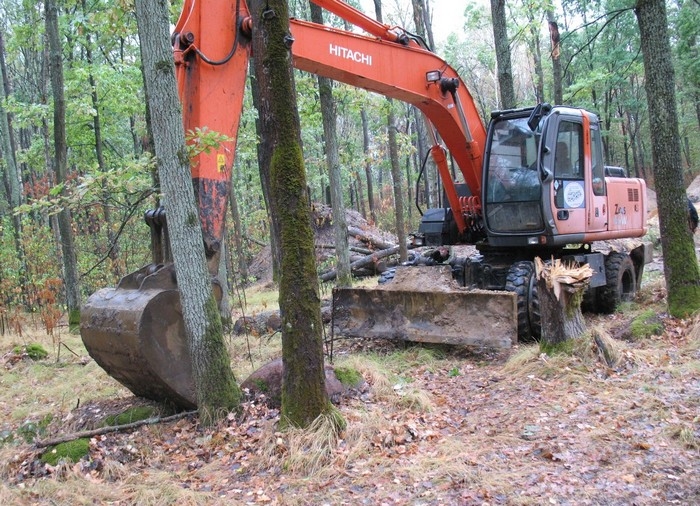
[[434, 424]]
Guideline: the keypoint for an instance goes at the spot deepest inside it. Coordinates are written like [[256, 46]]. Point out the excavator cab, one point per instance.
[[512, 190]]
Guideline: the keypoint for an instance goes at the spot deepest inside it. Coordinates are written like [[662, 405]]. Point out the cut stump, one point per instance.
[[560, 290]]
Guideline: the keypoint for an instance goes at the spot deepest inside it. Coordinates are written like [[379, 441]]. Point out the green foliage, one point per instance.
[[28, 431], [203, 140], [34, 351], [70, 451]]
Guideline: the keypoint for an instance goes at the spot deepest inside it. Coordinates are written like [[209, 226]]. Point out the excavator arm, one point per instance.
[[211, 47]]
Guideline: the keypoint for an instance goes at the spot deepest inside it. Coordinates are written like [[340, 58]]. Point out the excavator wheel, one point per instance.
[[521, 280], [621, 282]]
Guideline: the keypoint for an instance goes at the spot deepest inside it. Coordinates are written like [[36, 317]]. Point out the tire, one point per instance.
[[521, 280], [387, 276], [621, 282]]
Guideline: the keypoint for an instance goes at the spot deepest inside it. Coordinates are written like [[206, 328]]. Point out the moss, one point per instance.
[[218, 393], [74, 321], [645, 325], [71, 451], [261, 385], [563, 348], [33, 350], [347, 376], [129, 416], [685, 300]]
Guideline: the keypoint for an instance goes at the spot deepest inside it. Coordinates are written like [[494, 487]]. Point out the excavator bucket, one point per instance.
[[424, 304], [135, 332]]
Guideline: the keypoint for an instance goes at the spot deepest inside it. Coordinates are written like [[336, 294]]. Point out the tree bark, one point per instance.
[[362, 262], [303, 385], [215, 386], [70, 262], [368, 166], [680, 265], [328, 114], [264, 160], [397, 185], [534, 46], [500, 39], [238, 238]]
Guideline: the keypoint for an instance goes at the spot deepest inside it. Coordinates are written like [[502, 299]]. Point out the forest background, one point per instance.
[[110, 171]]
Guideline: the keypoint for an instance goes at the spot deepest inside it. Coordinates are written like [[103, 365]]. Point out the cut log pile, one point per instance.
[[369, 246]]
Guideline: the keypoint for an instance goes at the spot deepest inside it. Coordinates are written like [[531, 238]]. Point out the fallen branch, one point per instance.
[[111, 428]]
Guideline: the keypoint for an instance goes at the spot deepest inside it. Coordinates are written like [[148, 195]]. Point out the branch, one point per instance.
[[254, 240], [614, 16], [112, 428]]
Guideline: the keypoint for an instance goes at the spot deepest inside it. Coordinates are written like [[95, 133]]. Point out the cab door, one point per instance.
[[597, 209], [568, 194]]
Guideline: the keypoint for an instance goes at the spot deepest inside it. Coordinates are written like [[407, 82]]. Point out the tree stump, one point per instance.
[[560, 290]]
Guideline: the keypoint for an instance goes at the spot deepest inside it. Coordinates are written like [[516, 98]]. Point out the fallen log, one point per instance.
[[363, 236], [364, 261], [356, 249]]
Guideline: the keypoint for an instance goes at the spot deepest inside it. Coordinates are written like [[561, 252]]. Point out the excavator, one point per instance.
[[532, 184]]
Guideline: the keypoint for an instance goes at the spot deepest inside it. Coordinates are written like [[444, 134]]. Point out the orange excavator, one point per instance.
[[532, 184]]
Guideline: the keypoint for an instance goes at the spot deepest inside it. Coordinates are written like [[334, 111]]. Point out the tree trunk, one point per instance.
[[422, 20], [328, 114], [555, 38], [238, 238], [534, 46], [303, 384], [680, 265], [368, 166], [560, 291], [264, 160], [500, 39], [395, 168], [397, 185], [11, 175], [215, 386], [70, 263]]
